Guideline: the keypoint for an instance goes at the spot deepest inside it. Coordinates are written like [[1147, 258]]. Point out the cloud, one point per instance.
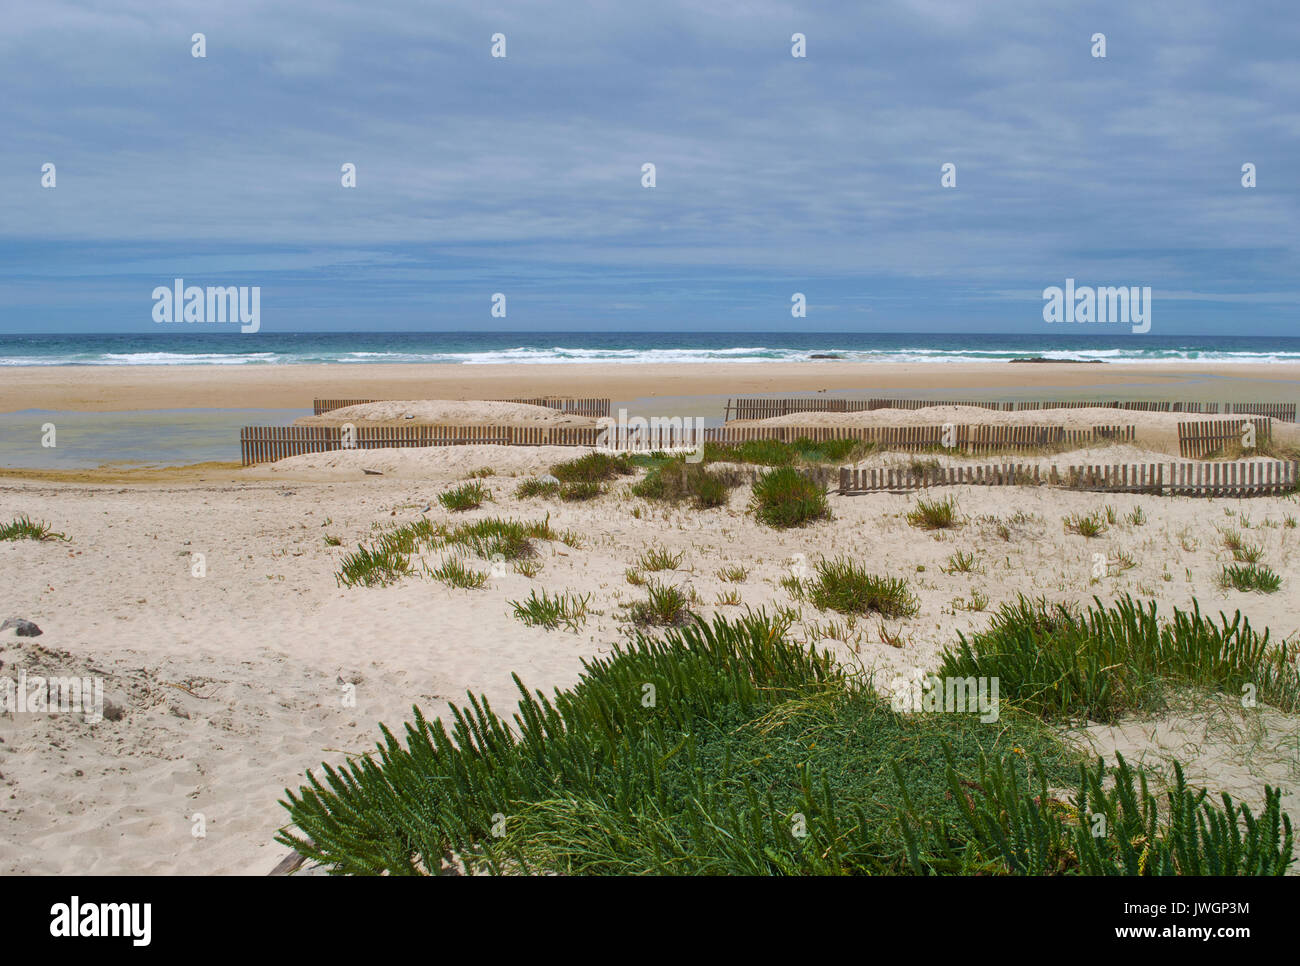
[[820, 168]]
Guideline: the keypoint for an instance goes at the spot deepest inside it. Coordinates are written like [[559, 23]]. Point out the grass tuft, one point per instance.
[[24, 528], [551, 611], [841, 585], [934, 514], [467, 496], [785, 498]]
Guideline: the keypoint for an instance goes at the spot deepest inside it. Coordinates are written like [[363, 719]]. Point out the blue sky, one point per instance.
[[522, 175]]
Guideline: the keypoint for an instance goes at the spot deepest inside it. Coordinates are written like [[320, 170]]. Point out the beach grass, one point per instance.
[[534, 487], [666, 605], [454, 573], [845, 586], [24, 528], [726, 748], [1250, 577], [934, 514], [552, 610], [596, 467], [1105, 661], [784, 498], [676, 481], [467, 496]]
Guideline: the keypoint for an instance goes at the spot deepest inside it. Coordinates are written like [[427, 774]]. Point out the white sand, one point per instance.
[[447, 412], [233, 683], [1157, 432]]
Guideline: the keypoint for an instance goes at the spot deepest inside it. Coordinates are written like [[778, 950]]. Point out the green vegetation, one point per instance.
[[1107, 661], [596, 467], [841, 585], [467, 496], [551, 611], [658, 558], [24, 528], [377, 567], [962, 562], [728, 749], [784, 497], [528, 568], [664, 606], [535, 487], [454, 573], [934, 514], [676, 481], [1248, 577], [388, 559], [771, 452], [1086, 525], [580, 490]]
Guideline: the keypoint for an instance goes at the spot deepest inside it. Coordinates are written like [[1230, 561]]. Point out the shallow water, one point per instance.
[[161, 437]]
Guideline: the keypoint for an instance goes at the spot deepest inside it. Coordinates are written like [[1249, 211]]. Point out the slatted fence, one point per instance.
[[263, 444], [1200, 439], [767, 408], [1240, 478]]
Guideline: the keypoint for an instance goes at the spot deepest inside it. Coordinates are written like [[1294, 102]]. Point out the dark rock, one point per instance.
[[1089, 362], [21, 627]]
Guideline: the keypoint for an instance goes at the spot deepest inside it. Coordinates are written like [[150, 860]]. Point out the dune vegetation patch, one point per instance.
[[784, 498], [24, 528], [726, 748], [1105, 661]]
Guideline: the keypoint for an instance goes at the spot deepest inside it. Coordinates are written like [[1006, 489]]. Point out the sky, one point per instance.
[[774, 174]]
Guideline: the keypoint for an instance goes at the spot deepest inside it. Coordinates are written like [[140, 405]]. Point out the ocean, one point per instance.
[[488, 348]]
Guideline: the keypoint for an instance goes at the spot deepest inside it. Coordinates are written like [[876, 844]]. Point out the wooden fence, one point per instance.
[[1200, 439], [264, 444], [1243, 478], [767, 408], [576, 407]]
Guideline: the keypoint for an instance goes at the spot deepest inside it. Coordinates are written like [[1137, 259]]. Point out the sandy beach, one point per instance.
[[230, 684], [119, 388]]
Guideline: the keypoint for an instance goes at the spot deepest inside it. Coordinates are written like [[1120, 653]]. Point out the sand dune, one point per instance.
[[447, 412], [233, 683]]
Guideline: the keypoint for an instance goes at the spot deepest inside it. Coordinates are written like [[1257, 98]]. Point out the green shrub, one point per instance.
[[676, 481], [580, 491], [934, 514], [595, 467], [454, 573], [535, 487], [664, 606], [658, 558], [552, 611], [1086, 525], [1053, 661], [1248, 577], [786, 498], [468, 496], [749, 736], [841, 585], [373, 568], [23, 528]]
